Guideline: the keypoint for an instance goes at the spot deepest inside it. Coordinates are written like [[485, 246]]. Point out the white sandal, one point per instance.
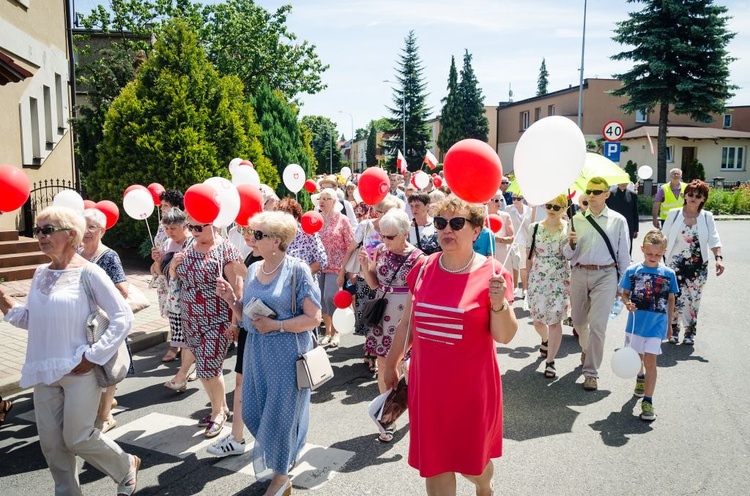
[[129, 484]]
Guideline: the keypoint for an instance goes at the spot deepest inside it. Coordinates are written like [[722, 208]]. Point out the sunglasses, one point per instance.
[[258, 235], [389, 237], [504, 182], [595, 192], [47, 230], [694, 195], [497, 200], [456, 223], [197, 228], [556, 208], [517, 198], [585, 203]]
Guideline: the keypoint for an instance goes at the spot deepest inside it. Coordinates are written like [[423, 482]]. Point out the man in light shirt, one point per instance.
[[595, 273]]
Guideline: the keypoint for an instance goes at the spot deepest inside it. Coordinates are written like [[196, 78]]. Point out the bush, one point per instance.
[[736, 202], [645, 204]]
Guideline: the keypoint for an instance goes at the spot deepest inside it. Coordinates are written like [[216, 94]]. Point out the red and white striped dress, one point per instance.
[[455, 391]]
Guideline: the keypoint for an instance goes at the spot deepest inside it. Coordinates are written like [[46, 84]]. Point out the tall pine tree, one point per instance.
[[451, 116], [371, 158], [409, 106], [475, 123], [543, 82], [680, 63], [324, 145]]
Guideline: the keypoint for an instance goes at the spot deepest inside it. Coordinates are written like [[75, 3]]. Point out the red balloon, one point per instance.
[[342, 299], [132, 187], [473, 170], [201, 203], [373, 185], [110, 211], [251, 202], [494, 222], [437, 181], [14, 188], [311, 222], [156, 190], [88, 204], [311, 186]]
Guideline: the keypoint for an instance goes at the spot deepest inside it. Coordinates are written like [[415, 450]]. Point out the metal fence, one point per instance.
[[42, 194]]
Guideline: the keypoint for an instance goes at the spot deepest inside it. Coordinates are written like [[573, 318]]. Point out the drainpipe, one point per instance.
[[69, 13]]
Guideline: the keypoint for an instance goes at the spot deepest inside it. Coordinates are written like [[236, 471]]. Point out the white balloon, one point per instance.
[[71, 199], [244, 174], [294, 177], [315, 199], [234, 163], [345, 172], [626, 363], [421, 179], [229, 200], [343, 320], [645, 172], [549, 158], [138, 204]]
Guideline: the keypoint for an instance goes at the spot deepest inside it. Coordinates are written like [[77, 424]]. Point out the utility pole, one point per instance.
[[580, 84]]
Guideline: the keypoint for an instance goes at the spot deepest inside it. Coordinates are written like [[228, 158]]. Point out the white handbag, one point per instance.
[[136, 299]]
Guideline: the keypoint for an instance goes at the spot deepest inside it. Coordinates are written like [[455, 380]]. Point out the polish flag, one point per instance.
[[650, 144], [400, 163], [430, 159]]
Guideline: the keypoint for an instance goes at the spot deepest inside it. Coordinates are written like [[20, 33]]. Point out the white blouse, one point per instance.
[[55, 315]]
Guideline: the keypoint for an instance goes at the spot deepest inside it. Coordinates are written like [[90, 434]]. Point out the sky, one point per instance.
[[362, 41]]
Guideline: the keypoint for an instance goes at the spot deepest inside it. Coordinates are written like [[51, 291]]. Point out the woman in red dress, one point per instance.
[[461, 309]]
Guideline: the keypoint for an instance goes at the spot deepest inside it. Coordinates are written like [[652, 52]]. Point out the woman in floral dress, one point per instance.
[[549, 280], [691, 232]]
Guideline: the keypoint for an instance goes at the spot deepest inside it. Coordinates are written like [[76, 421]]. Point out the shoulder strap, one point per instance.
[[294, 287], [607, 241], [533, 241], [416, 230], [85, 274], [98, 257]]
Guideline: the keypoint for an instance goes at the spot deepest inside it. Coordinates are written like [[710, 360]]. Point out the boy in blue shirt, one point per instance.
[[648, 292]]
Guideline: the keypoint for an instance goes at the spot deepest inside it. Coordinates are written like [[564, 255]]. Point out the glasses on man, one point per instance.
[[197, 227], [694, 195], [517, 198], [549, 206], [389, 237], [595, 192], [456, 223], [47, 230]]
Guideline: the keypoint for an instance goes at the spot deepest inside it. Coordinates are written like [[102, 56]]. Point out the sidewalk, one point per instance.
[[149, 329]]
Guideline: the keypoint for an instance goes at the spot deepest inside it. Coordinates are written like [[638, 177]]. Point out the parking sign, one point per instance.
[[612, 151]]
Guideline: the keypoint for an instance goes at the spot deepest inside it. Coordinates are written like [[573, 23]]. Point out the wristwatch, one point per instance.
[[502, 308], [719, 257]]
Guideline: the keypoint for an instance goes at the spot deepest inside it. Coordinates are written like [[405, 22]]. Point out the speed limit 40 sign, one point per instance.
[[613, 131]]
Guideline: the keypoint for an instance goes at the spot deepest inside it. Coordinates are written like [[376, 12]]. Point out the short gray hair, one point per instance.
[[66, 218], [96, 216], [174, 216], [395, 219], [390, 202]]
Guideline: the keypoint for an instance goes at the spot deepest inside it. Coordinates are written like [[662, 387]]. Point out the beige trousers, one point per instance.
[[592, 294], [65, 414]]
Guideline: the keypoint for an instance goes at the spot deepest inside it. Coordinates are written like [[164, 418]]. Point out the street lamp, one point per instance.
[[403, 110], [351, 147], [580, 83]]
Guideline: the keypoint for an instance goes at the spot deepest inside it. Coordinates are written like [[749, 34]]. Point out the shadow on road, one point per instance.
[[615, 429]]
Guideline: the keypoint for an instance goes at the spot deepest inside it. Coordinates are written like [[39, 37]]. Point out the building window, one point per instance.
[[733, 158], [36, 150], [537, 113], [641, 116], [551, 110], [670, 154], [48, 116], [59, 102], [524, 120], [727, 121]]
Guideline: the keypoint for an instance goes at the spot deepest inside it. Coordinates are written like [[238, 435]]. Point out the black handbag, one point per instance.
[[373, 310]]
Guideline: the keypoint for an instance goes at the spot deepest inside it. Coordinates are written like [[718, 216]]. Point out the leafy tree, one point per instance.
[[451, 116], [178, 123], [680, 63], [632, 169], [324, 146], [694, 170], [360, 134], [410, 106], [543, 82], [475, 123], [371, 158]]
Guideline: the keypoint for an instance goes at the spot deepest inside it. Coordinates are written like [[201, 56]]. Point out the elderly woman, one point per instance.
[[170, 199], [549, 280], [386, 272], [306, 247], [174, 223], [275, 411], [520, 215], [205, 317], [457, 309], [691, 233], [503, 237], [337, 234], [97, 252], [60, 361]]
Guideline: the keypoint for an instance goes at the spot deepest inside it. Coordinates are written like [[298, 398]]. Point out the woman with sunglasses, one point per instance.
[[520, 215], [60, 361], [691, 233], [275, 411], [204, 316], [549, 280], [386, 272], [457, 309]]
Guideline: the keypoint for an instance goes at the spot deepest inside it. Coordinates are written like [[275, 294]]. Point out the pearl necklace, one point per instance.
[[274, 269], [440, 262]]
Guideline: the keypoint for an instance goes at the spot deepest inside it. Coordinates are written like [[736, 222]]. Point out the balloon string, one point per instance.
[[151, 238]]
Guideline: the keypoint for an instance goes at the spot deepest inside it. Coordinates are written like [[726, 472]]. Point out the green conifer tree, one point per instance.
[[451, 116], [475, 123], [371, 158], [543, 82]]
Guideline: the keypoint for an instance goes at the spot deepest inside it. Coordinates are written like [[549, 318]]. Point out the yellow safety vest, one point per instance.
[[670, 201]]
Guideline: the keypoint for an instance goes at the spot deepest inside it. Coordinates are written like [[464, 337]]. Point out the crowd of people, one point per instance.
[[448, 283]]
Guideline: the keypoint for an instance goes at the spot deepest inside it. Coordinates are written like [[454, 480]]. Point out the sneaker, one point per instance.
[[590, 383], [689, 339], [227, 446], [674, 339], [647, 411], [640, 387]]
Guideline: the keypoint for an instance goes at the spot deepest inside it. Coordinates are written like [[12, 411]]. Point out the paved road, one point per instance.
[[559, 439]]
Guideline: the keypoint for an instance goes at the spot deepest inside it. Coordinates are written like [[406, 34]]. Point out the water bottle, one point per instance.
[[616, 309]]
